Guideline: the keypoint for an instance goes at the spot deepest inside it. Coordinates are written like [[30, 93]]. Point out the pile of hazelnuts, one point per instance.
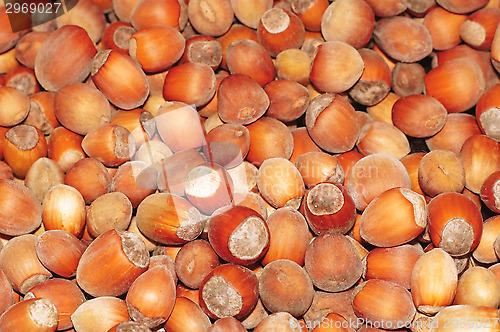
[[251, 165]]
